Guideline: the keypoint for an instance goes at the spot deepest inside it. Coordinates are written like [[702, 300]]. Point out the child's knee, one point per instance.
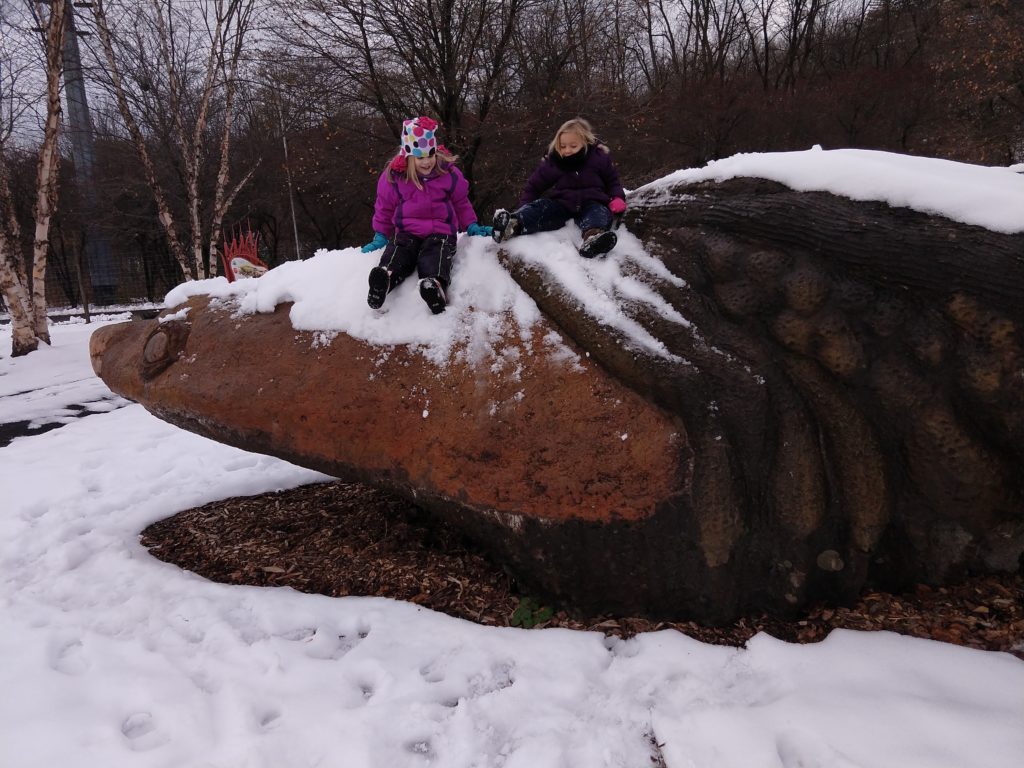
[[436, 256], [595, 216]]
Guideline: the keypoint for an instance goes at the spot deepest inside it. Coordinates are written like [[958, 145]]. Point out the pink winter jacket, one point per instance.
[[442, 207]]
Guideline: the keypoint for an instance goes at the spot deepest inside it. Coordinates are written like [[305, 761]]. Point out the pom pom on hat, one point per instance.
[[399, 164], [418, 137]]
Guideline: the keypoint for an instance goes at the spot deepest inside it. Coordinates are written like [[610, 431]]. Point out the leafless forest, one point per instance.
[[208, 115]]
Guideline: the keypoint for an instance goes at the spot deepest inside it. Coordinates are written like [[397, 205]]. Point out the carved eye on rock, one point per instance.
[[163, 347]]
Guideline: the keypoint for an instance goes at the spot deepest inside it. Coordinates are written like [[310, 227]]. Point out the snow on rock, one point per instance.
[[990, 197]]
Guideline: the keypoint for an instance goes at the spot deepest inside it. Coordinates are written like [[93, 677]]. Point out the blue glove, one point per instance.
[[378, 242], [479, 231]]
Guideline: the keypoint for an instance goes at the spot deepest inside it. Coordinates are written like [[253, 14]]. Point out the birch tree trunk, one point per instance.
[[11, 232], [29, 322], [49, 161], [159, 196], [13, 280], [222, 198], [191, 145], [19, 303], [228, 22]]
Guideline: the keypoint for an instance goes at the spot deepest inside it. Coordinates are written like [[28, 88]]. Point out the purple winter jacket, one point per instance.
[[442, 207], [574, 181]]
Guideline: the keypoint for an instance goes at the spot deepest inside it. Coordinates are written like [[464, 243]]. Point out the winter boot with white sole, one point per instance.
[[505, 225], [380, 281], [596, 242], [433, 293]]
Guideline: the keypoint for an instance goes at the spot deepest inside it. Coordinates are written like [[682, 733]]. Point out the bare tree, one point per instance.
[[401, 58], [658, 53], [122, 95], [13, 279], [761, 29], [177, 101], [28, 311], [49, 161], [223, 195]]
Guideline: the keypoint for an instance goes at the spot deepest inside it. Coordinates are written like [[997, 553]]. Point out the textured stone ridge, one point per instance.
[[883, 437]]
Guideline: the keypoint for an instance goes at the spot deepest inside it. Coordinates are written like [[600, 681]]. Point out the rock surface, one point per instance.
[[548, 463], [844, 405]]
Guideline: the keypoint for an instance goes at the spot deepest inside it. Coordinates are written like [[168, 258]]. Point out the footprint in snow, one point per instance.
[[141, 732], [328, 645], [803, 749], [68, 656]]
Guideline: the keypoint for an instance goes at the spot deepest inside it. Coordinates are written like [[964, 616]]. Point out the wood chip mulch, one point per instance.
[[345, 539]]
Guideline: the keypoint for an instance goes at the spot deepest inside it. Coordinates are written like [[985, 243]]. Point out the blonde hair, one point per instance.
[[578, 126], [445, 161]]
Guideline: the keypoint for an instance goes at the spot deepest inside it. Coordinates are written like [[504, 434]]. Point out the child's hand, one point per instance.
[[378, 242], [617, 206], [479, 231]]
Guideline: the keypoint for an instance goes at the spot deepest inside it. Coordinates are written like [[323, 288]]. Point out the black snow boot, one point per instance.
[[433, 293], [596, 242], [505, 225], [380, 281]]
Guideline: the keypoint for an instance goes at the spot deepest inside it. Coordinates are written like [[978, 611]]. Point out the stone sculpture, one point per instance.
[[845, 407]]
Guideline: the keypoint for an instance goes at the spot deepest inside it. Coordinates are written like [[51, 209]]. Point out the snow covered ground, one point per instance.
[[111, 658]]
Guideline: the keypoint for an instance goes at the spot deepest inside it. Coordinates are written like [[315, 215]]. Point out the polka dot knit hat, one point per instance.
[[419, 137]]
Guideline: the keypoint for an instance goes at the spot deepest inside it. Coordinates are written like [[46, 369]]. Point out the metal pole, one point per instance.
[[288, 176]]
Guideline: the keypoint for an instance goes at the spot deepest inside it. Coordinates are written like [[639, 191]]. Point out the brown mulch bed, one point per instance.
[[345, 539]]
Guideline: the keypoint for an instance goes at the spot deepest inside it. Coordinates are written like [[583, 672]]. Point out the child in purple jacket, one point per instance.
[[580, 182], [422, 204]]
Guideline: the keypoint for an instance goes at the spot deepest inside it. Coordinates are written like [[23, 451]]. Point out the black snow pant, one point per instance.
[[430, 256]]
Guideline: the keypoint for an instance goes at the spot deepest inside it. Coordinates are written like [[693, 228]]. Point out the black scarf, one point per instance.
[[572, 162]]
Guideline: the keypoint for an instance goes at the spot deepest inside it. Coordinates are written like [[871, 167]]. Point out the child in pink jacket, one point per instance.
[[422, 205]]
